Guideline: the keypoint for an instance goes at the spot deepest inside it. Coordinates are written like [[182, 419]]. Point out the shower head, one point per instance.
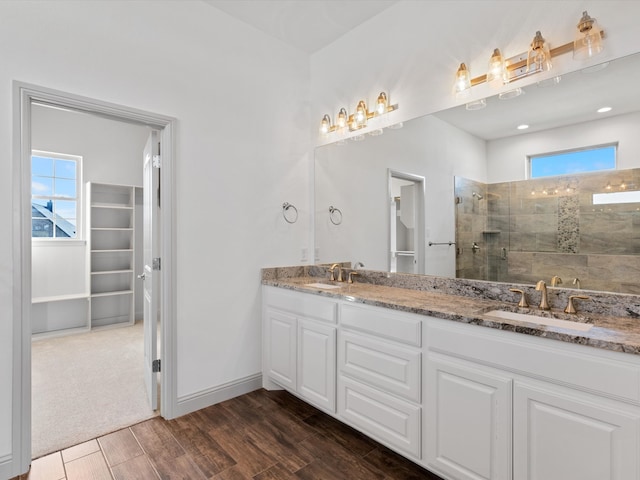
[[477, 195]]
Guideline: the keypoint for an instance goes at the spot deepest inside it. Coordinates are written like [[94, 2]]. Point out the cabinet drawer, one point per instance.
[[405, 328], [302, 304], [574, 365], [387, 419], [391, 367]]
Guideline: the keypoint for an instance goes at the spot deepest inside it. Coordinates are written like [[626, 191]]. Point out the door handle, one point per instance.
[[142, 276]]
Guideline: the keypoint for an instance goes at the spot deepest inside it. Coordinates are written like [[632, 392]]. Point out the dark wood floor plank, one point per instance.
[[119, 447], [281, 446], [277, 472], [156, 440], [210, 457], [250, 458], [395, 466], [329, 452], [136, 468], [318, 470], [342, 434], [291, 403]]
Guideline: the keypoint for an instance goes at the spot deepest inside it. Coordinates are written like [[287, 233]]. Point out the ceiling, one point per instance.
[[308, 25], [574, 100]]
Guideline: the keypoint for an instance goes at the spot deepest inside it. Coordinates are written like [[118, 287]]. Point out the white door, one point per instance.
[[150, 275]]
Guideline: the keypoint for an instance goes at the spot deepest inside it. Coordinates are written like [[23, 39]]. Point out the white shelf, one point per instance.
[[111, 294], [111, 221], [60, 298], [110, 272]]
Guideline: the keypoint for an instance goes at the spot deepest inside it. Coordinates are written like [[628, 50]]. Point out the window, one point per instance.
[[577, 161], [55, 187]]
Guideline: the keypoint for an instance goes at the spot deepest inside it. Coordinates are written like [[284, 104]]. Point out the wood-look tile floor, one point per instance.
[[262, 436]]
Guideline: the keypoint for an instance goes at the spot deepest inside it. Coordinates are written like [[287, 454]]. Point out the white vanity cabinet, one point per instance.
[[300, 345], [501, 405], [468, 410], [380, 379]]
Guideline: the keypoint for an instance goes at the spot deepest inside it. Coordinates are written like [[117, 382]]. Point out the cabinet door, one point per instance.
[[317, 364], [281, 354], [560, 434], [467, 420]]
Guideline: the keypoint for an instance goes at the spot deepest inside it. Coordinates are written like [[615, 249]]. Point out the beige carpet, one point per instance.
[[86, 385]]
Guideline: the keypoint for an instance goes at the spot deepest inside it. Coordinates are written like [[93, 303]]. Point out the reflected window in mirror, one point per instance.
[[583, 160]]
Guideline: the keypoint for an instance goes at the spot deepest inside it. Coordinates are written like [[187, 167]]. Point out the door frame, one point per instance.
[[24, 95]]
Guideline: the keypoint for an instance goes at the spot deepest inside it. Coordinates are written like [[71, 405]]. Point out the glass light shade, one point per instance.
[[588, 40], [325, 125], [476, 104], [462, 84], [539, 58], [360, 116], [342, 119], [497, 72], [381, 106]]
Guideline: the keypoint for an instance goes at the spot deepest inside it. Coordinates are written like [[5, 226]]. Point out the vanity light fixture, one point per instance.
[[588, 41], [536, 59], [476, 104], [358, 120]]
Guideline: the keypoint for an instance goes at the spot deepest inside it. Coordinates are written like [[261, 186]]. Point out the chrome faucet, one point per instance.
[[555, 280], [333, 276], [544, 302]]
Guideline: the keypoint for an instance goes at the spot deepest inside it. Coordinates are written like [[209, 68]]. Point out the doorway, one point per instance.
[[24, 96], [406, 222]]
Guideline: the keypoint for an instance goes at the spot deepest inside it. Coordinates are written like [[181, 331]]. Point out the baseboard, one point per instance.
[[205, 398]]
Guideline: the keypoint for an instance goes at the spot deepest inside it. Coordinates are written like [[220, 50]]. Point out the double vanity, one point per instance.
[[454, 376]]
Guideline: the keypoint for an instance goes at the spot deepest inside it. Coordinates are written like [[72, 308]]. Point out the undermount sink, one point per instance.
[[322, 285], [549, 321]]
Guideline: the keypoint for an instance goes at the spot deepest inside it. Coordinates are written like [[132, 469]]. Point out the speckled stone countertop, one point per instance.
[[619, 333]]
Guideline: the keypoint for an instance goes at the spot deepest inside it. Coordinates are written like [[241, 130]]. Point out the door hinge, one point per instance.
[[155, 263], [156, 162], [155, 366]]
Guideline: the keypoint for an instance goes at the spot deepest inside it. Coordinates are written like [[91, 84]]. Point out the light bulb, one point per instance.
[[539, 58], [342, 119], [588, 40], [325, 125], [462, 84], [360, 116], [496, 74], [381, 106]]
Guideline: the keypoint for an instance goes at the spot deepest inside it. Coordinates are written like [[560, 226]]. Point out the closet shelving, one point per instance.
[[111, 220]]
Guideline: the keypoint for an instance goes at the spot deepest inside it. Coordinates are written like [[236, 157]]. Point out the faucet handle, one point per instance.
[[351, 274], [570, 306], [523, 299]]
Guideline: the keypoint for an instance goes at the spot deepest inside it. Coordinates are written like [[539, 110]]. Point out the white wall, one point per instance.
[[507, 157], [241, 100], [111, 152]]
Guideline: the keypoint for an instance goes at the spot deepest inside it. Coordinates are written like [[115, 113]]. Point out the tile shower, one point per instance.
[[536, 229]]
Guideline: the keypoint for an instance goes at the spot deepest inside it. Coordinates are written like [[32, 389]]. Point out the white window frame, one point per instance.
[[531, 157], [79, 198]]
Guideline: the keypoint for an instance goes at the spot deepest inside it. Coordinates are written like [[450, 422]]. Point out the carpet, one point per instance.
[[86, 385]]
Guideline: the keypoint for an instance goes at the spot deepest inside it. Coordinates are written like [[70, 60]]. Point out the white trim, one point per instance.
[[196, 401], [23, 96]]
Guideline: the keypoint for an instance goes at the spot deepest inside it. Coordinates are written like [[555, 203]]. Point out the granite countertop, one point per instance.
[[618, 334]]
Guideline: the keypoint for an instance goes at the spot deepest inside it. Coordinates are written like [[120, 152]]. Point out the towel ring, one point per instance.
[[335, 215], [289, 212]]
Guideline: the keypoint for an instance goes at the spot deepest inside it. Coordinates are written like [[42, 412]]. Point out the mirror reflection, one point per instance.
[[459, 152]]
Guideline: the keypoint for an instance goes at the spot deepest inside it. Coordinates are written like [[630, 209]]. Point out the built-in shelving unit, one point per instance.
[[111, 221]]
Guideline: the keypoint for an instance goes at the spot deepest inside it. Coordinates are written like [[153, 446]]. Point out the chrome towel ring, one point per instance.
[[289, 212], [335, 215]]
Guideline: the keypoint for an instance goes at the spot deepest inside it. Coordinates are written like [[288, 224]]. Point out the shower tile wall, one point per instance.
[[529, 235]]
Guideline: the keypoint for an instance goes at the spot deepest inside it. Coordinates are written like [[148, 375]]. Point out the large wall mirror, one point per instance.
[[503, 232]]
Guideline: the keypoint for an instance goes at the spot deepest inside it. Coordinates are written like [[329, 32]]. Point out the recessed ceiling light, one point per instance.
[[523, 126], [604, 109]]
